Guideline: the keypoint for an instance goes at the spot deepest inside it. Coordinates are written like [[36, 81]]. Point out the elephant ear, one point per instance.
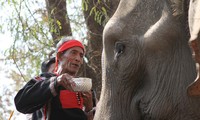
[[194, 25]]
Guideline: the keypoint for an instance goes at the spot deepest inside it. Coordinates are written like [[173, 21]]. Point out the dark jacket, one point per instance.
[[40, 97]]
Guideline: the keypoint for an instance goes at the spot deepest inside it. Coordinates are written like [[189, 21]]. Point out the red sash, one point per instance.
[[70, 99]]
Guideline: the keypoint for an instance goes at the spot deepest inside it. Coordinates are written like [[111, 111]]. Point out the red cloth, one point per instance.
[[70, 44], [69, 99]]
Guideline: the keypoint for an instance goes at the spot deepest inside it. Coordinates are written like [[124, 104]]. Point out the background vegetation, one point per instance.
[[36, 26]]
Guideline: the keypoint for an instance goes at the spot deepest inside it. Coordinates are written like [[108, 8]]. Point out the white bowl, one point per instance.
[[82, 84]]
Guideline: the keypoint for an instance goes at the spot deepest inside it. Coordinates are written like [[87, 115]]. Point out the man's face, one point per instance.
[[71, 60]]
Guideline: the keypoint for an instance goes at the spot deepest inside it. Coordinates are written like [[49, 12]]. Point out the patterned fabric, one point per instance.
[[40, 97]]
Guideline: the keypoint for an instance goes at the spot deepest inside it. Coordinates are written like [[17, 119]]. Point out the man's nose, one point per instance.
[[79, 58]]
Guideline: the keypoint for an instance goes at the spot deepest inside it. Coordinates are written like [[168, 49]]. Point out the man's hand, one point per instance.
[[87, 100], [88, 103], [65, 80]]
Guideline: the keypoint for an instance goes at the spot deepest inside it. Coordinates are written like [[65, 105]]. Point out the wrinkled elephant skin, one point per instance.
[[147, 63]]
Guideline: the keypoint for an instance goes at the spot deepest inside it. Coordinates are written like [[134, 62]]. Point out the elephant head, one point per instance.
[[147, 63]]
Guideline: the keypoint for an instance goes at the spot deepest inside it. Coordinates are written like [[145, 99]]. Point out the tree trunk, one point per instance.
[[95, 31], [59, 23]]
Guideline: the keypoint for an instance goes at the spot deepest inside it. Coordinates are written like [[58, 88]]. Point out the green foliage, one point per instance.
[[85, 5], [98, 11], [28, 24], [77, 20], [98, 14]]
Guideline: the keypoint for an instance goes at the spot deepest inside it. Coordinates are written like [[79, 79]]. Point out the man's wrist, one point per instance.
[[88, 107], [56, 84], [90, 111], [52, 86]]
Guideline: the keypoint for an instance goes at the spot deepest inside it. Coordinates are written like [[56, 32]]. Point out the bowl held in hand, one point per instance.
[[82, 84]]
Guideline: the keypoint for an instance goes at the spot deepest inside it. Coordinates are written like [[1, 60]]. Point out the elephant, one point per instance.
[[147, 63]]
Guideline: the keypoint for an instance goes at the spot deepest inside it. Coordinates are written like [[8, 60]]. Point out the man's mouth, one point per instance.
[[76, 65]]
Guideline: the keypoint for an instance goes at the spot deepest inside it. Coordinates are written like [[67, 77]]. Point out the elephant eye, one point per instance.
[[119, 49]]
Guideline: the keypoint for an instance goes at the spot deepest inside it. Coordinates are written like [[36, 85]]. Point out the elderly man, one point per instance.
[[55, 90]]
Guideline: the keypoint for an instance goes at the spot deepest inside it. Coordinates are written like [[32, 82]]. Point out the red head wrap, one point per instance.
[[65, 46]]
